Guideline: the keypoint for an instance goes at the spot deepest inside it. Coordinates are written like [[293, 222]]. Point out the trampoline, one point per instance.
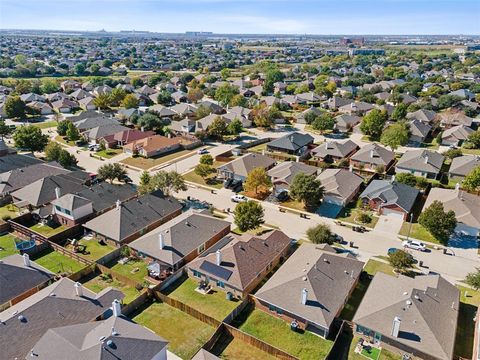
[[25, 245]]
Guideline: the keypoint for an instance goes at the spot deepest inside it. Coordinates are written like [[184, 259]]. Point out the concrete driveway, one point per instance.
[[389, 223]]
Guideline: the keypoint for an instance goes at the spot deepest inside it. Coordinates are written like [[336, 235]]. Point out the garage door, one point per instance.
[[391, 212]]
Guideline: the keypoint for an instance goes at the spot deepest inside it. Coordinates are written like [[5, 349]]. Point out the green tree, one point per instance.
[[271, 77], [239, 100], [225, 93], [145, 178], [400, 112], [116, 96], [4, 129], [30, 138], [15, 107], [324, 122], [130, 101], [401, 260], [194, 95], [49, 86], [248, 215], [257, 178], [373, 123], [168, 182], [473, 279], [150, 121], [218, 128], [62, 127], [72, 132], [103, 101], [164, 97], [320, 234], [395, 135], [472, 180], [66, 159], [206, 159], [439, 223], [406, 178], [202, 111], [112, 172], [235, 127], [453, 153], [52, 151], [306, 188], [79, 69], [204, 170], [225, 73], [474, 139]]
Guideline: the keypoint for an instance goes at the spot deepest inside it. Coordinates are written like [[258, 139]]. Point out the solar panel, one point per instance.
[[216, 270]]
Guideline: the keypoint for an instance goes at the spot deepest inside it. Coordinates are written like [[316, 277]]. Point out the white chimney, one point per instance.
[[392, 180], [161, 241], [78, 289], [371, 153], [118, 203], [116, 308], [57, 193], [396, 326], [350, 167], [26, 259], [218, 253], [426, 159], [304, 296], [457, 186]]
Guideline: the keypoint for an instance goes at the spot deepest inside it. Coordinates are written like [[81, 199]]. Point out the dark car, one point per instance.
[[282, 196], [360, 229], [227, 183]]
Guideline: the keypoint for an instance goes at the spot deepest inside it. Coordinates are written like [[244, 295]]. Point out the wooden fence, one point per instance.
[[336, 350], [235, 312], [87, 270], [110, 256]]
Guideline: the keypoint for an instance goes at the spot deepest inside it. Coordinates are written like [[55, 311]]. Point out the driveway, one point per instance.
[[389, 223]]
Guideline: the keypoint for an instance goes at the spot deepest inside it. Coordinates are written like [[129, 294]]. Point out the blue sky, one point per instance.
[[247, 16]]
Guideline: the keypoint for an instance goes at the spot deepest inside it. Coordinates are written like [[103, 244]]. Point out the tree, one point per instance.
[[474, 139], [72, 132], [439, 223], [400, 260], [30, 138], [453, 153], [204, 170], [62, 127], [15, 107], [167, 182], [225, 93], [271, 77], [256, 178], [150, 121], [307, 189], [406, 178], [235, 127], [472, 180], [103, 101], [225, 73], [4, 129], [239, 100], [373, 123], [323, 122], [206, 159], [66, 159], [202, 111], [145, 178], [395, 135], [164, 97], [320, 234], [117, 95], [49, 86], [194, 95], [473, 279], [130, 101], [79, 69], [112, 172], [248, 215], [52, 151], [218, 128], [400, 112]]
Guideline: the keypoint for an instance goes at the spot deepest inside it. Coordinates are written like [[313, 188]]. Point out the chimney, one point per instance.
[[57, 193], [26, 259], [457, 186], [161, 241], [118, 203], [304, 296], [78, 289], [372, 153], [426, 159], [350, 168], [218, 254], [326, 145], [392, 179], [396, 326], [116, 308]]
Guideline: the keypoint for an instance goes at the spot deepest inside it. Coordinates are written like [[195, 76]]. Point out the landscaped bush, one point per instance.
[[365, 218]]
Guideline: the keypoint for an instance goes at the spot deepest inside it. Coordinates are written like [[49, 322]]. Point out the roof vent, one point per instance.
[[110, 343], [102, 339], [114, 332], [408, 302], [304, 278], [22, 318], [405, 293]]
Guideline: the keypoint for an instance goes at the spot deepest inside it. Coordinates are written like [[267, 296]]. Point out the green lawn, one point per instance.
[[469, 302], [355, 299], [372, 353], [418, 232], [9, 211], [214, 304], [185, 334], [63, 140], [146, 164], [239, 350], [350, 215], [277, 332], [108, 153], [211, 181], [384, 354], [7, 245], [46, 230], [293, 204], [471, 151], [46, 124], [374, 266], [101, 282], [91, 249], [259, 148], [56, 262], [130, 269]]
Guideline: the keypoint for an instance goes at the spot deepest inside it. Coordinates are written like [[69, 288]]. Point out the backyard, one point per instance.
[[103, 281], [374, 266], [374, 354], [91, 249], [56, 262], [213, 304], [47, 230], [233, 349], [355, 299], [135, 269], [8, 212], [7, 245], [277, 333], [469, 302], [145, 164], [185, 334]]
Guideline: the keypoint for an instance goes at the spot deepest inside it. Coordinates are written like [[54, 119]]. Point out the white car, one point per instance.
[[415, 245], [202, 151], [238, 198]]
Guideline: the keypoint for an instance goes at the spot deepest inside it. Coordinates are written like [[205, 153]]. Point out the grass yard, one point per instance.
[[7, 245], [145, 164], [91, 249], [185, 334], [374, 266], [293, 204], [469, 302], [101, 282], [471, 151], [277, 332], [210, 181], [214, 304], [239, 350], [9, 212], [259, 148], [351, 215], [46, 124], [62, 140], [418, 232], [382, 354], [56, 262], [108, 153], [46, 230], [130, 269]]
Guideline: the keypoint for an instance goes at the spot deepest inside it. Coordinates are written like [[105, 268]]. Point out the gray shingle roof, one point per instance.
[[391, 193], [242, 166], [292, 141], [286, 171], [421, 160], [338, 149], [15, 161], [381, 155], [104, 195], [340, 182], [463, 165]]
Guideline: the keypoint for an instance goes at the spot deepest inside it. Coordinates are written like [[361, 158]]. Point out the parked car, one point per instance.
[[227, 183], [94, 147], [202, 151], [282, 196], [360, 229], [238, 198], [394, 250], [337, 238], [415, 245]]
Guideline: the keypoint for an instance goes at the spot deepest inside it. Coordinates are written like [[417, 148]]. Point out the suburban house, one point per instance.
[[334, 151], [337, 102], [184, 127], [390, 198], [345, 123], [63, 303], [356, 108], [416, 316], [294, 143], [152, 146], [203, 354], [340, 186], [123, 137], [21, 277], [419, 131], [133, 218], [423, 115], [239, 168], [424, 163], [301, 118], [462, 166], [64, 105], [87, 103], [283, 174], [237, 264], [372, 157], [180, 240], [121, 339], [95, 134], [311, 287], [71, 209], [456, 135], [466, 207], [451, 118]]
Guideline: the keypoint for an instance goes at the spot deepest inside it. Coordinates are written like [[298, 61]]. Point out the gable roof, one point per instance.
[[459, 132], [70, 202], [464, 164], [293, 141], [14, 161], [103, 195], [286, 171], [374, 154], [391, 193], [340, 182], [338, 149], [421, 160], [242, 166]]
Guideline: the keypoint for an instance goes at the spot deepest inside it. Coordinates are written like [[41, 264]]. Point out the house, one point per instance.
[[121, 339], [462, 166], [184, 127], [456, 135], [152, 146], [451, 118], [345, 123], [424, 163], [390, 198], [239, 168], [466, 207], [372, 157], [184, 110], [334, 151], [203, 354], [40, 107], [237, 264], [315, 111], [20, 278], [423, 115], [283, 174], [95, 134], [32, 97], [64, 105], [356, 108], [337, 102], [63, 303], [417, 316], [294, 143], [124, 137], [71, 209], [419, 131], [311, 287], [80, 94], [133, 218], [340, 186], [180, 240], [87, 103], [463, 94], [69, 85]]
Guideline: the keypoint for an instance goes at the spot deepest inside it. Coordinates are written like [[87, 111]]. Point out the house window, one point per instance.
[[68, 212], [221, 284], [196, 273], [201, 248]]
